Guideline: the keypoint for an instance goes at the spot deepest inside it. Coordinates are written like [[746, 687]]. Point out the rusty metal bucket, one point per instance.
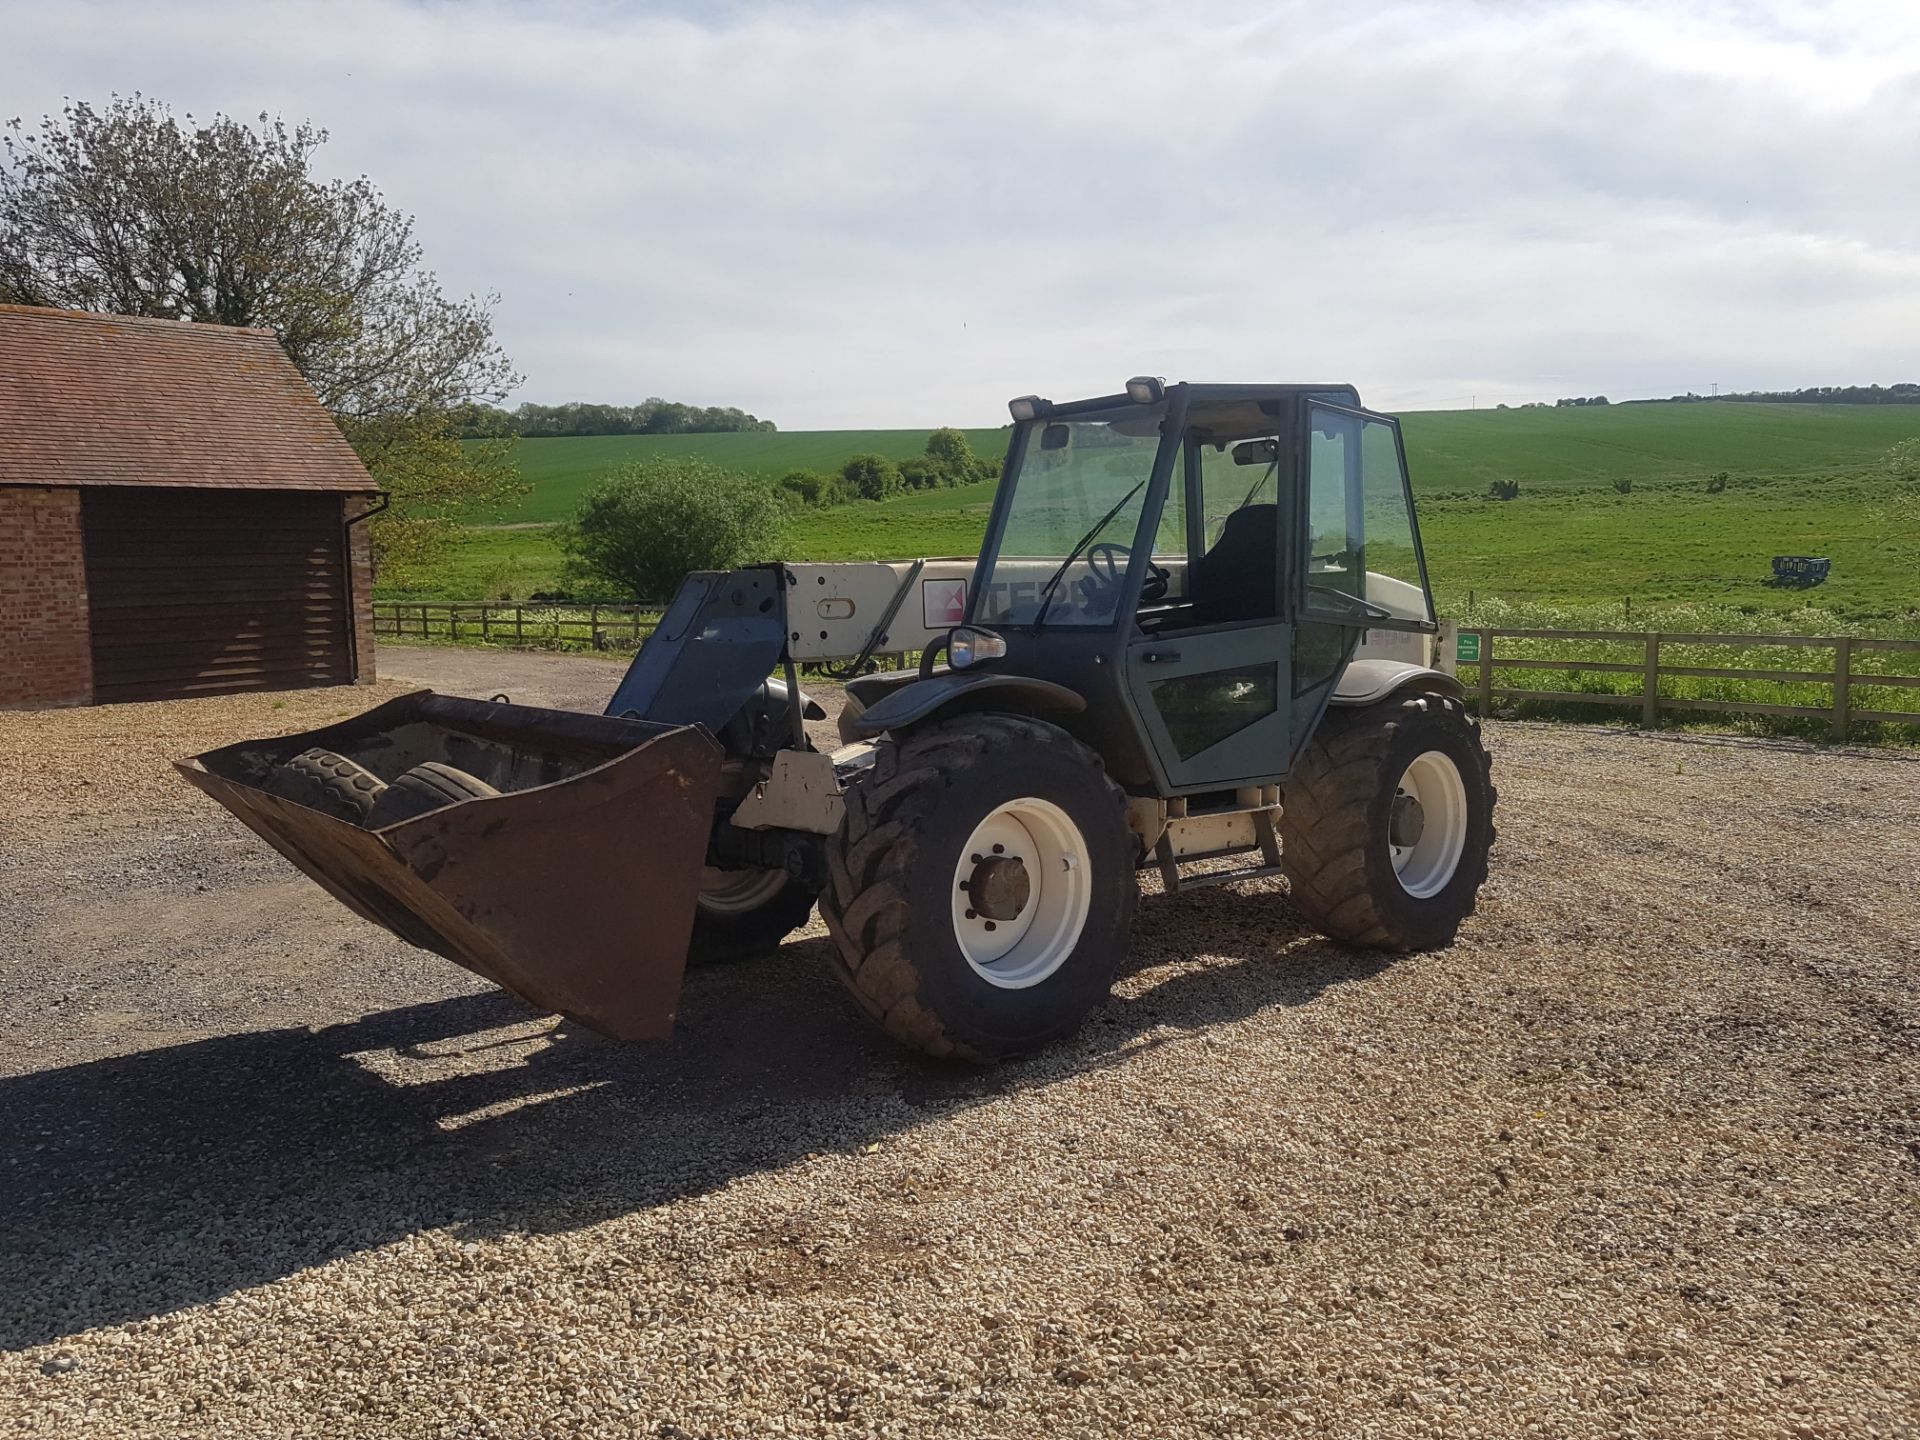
[[574, 887]]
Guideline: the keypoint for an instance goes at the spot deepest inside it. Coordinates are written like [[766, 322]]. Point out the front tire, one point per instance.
[[743, 913], [982, 886], [1387, 821]]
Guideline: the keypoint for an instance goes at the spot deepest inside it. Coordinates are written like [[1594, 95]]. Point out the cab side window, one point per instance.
[[1236, 568]]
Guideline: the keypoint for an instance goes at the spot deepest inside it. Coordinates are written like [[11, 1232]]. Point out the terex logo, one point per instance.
[[943, 603]]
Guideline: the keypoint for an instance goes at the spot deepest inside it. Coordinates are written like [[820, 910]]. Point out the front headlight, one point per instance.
[[969, 645]]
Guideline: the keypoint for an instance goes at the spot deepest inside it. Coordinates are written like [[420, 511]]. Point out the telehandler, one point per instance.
[[1198, 639]]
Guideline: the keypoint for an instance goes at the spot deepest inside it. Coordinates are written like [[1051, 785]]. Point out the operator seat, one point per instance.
[[1239, 578]]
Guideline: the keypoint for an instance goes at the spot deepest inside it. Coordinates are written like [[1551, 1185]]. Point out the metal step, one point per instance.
[[1226, 877], [1175, 867]]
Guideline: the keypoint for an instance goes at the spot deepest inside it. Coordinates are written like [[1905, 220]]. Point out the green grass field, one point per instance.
[[561, 471], [1661, 445], [1802, 480]]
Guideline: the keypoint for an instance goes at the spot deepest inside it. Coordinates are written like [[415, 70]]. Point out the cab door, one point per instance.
[[1212, 691], [1214, 703], [1359, 560]]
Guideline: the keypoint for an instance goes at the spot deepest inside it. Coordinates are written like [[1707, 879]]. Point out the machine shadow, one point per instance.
[[141, 1184]]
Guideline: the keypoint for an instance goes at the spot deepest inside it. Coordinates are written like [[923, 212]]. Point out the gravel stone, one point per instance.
[[1638, 1156]]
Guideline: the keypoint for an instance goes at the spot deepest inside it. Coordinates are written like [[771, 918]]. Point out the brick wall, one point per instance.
[[45, 651], [360, 568]]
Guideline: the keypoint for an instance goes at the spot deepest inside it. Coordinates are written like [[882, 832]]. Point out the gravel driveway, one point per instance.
[[1639, 1156], [570, 682]]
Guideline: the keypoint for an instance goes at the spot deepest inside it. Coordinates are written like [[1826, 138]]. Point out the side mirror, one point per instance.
[[1256, 452], [1054, 437]]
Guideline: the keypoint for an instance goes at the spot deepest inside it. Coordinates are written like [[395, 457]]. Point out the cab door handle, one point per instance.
[[1159, 657]]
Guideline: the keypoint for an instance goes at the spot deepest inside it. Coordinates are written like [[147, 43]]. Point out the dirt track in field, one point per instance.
[[1640, 1155]]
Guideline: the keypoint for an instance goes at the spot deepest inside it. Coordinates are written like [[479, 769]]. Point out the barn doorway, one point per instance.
[[206, 592]]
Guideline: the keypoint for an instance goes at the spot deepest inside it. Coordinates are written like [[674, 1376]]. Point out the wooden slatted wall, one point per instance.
[[200, 592]]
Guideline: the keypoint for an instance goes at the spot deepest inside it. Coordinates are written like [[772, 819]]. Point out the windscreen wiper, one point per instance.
[[1047, 590]]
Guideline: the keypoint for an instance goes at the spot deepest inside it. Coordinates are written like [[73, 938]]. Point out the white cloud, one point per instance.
[[838, 214]]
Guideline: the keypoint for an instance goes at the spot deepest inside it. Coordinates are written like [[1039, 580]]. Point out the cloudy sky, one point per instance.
[[902, 214]]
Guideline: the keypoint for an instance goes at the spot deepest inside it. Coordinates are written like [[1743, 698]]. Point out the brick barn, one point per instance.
[[178, 516]]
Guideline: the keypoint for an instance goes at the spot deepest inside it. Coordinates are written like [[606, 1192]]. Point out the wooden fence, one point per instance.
[[1862, 667], [594, 627], [1863, 679]]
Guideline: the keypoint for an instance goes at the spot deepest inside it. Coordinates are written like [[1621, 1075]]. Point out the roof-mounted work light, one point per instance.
[[1025, 407], [1145, 389]]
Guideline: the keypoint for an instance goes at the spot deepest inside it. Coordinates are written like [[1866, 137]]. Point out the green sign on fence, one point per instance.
[[1467, 648]]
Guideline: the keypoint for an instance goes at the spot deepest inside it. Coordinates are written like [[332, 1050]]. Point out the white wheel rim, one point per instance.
[[1424, 867], [734, 892], [1017, 952]]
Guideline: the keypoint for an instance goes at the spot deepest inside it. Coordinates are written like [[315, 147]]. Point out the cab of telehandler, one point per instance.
[[1199, 563]]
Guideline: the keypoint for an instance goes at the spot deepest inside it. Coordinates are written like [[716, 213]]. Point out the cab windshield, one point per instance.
[[1072, 519]]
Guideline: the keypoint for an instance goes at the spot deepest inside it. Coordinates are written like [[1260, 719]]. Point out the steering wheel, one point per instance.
[[1108, 563]]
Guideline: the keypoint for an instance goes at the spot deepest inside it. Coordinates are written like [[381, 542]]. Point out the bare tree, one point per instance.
[[128, 210]]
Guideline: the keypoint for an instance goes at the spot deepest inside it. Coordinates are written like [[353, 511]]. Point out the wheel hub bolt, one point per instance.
[[1000, 887]]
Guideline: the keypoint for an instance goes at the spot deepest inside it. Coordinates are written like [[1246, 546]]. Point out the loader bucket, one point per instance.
[[574, 887]]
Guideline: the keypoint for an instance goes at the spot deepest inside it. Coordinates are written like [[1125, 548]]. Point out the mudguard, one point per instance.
[[923, 699], [1368, 681]]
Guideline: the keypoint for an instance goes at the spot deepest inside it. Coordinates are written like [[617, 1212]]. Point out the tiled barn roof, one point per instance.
[[91, 399]]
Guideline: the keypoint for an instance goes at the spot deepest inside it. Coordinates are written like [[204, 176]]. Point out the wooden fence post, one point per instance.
[[593, 626], [453, 622], [486, 623], [519, 624], [1650, 703], [1486, 674], [1842, 683]]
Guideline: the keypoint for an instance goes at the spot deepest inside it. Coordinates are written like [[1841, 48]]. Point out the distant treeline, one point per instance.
[[650, 417], [1904, 394]]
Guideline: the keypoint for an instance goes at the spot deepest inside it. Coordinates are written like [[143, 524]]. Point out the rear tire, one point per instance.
[[329, 782], [420, 791], [1386, 823], [743, 913], [1000, 812]]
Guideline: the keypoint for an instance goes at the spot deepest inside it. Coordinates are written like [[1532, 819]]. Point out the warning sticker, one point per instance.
[[943, 603]]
